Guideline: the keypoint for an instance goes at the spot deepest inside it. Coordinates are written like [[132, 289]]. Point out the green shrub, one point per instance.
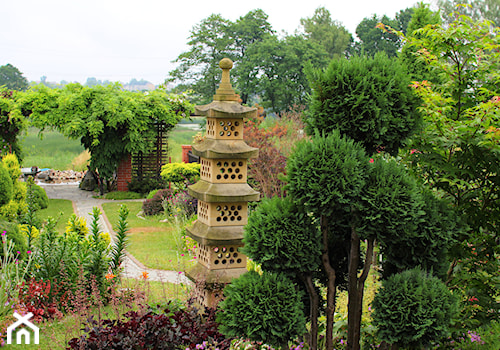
[[179, 173], [413, 309], [41, 200], [145, 185], [12, 165], [265, 308], [282, 237], [6, 187], [151, 194], [368, 99]]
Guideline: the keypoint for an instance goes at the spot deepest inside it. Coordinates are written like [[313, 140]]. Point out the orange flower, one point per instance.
[[145, 275], [110, 276]]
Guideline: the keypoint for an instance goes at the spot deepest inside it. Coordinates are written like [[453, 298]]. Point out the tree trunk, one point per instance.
[[331, 290], [356, 289], [314, 311], [354, 298]]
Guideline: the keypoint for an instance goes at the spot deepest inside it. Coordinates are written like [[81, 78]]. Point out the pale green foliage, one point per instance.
[[331, 34], [12, 165], [458, 152], [77, 225], [180, 172], [6, 187]]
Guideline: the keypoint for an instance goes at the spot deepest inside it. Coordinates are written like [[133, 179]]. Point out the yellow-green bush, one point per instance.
[[180, 172], [12, 165], [6, 188]]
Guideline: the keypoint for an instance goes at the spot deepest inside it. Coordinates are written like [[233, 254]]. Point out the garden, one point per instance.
[[377, 225]]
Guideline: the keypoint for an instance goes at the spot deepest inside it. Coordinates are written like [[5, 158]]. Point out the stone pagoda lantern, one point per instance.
[[222, 192]]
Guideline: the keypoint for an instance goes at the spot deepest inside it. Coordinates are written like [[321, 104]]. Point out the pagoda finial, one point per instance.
[[225, 92]]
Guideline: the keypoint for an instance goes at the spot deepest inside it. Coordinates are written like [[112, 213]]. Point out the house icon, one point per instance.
[[23, 320]]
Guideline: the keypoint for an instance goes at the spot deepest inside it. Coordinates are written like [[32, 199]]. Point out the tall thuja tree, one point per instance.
[[283, 238], [368, 100], [356, 198], [458, 151], [326, 176]]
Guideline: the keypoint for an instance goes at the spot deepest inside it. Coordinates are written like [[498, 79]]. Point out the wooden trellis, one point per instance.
[[148, 166]]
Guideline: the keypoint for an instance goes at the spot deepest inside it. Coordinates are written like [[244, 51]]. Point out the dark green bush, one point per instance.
[[412, 226], [154, 205], [413, 309], [145, 185], [368, 99], [327, 174], [264, 307], [282, 237], [6, 186]]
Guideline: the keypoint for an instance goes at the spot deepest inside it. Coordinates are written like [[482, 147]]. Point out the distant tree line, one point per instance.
[[269, 65]]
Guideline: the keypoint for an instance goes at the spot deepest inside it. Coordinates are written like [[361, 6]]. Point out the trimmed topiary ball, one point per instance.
[[282, 237], [265, 308], [413, 309], [368, 99]]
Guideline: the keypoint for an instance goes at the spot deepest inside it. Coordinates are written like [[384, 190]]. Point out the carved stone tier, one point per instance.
[[214, 235], [233, 149], [225, 109], [220, 193]]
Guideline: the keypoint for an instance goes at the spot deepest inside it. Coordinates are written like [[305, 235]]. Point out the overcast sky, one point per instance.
[[119, 40]]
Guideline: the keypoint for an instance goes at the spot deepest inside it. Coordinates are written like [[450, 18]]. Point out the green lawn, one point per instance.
[[60, 209], [179, 136], [57, 152], [53, 150], [158, 245]]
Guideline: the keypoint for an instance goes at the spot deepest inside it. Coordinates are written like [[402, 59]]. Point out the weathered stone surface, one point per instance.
[[220, 193], [226, 109], [208, 276], [89, 182], [213, 235], [60, 176], [231, 149]]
